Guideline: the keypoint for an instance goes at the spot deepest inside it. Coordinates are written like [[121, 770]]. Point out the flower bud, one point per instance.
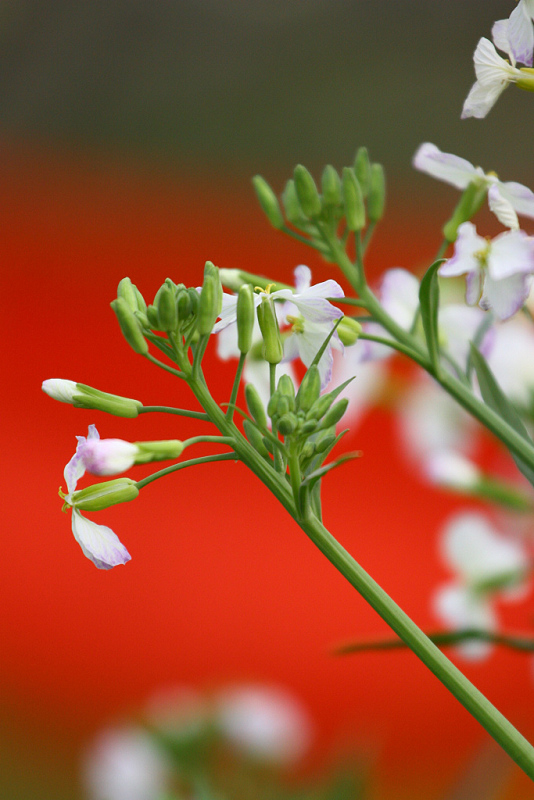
[[353, 200], [362, 169], [165, 450], [102, 495], [255, 438], [255, 405], [272, 405], [152, 316], [245, 311], [268, 202], [324, 441], [286, 387], [183, 304], [309, 389], [283, 405], [167, 314], [348, 331], [292, 206], [210, 300], [126, 290], [131, 330], [287, 424], [377, 193], [273, 349], [308, 427], [331, 186], [81, 396], [194, 299], [334, 414], [320, 407], [307, 193], [470, 202]]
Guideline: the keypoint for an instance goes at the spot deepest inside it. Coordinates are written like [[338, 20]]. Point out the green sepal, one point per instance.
[[320, 407], [335, 413], [164, 450], [429, 307], [273, 349], [210, 300], [292, 207], [89, 397], [349, 330], [287, 424], [167, 313], [494, 397]]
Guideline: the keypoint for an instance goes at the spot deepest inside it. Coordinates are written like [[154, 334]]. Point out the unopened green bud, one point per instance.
[[142, 320], [152, 316], [272, 405], [307, 193], [308, 427], [167, 314], [349, 331], [287, 424], [256, 439], [105, 494], [286, 386], [81, 396], [335, 413], [353, 200], [255, 405], [130, 327], [309, 389], [292, 206], [362, 169], [470, 202], [268, 202], [183, 304], [320, 407], [331, 186], [210, 300], [273, 349], [126, 290], [194, 299], [158, 451], [377, 193], [324, 441], [245, 317], [308, 450]]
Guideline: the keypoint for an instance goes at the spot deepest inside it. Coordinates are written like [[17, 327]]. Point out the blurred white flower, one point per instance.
[[369, 378], [511, 361], [487, 566], [452, 469], [265, 722], [124, 764]]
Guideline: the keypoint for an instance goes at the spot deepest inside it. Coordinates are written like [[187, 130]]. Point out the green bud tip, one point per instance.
[[268, 201]]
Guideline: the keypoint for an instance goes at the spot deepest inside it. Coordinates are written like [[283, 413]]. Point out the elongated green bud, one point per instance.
[[81, 396], [126, 290], [362, 169], [167, 449], [377, 193], [255, 405], [331, 186], [286, 386], [103, 495], [307, 193], [309, 389], [292, 206], [210, 300], [349, 331], [287, 424], [152, 316], [167, 314], [353, 200], [256, 439], [324, 441], [320, 407], [308, 427], [470, 202], [283, 405], [245, 317], [183, 304], [273, 349], [272, 405], [130, 327], [268, 202], [194, 299], [334, 414]]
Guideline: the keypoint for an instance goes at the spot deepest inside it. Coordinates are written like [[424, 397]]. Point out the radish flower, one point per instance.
[[515, 35]]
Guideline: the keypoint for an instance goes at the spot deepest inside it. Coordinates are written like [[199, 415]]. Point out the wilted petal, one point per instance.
[[108, 456], [520, 35], [444, 166], [98, 542], [502, 207]]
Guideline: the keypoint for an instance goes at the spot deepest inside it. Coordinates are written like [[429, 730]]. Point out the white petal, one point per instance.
[[502, 208], [367, 383], [490, 68], [505, 297], [449, 468], [511, 253], [98, 542], [458, 325], [60, 389], [521, 35], [473, 287], [477, 553], [468, 244], [481, 99], [459, 609], [108, 456], [499, 34], [511, 360], [302, 275], [399, 293], [520, 197], [444, 166]]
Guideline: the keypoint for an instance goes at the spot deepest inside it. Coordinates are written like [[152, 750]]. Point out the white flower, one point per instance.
[[369, 378], [125, 764], [265, 722], [515, 35], [493, 76], [510, 360], [498, 270], [487, 565], [98, 542], [506, 200], [449, 468], [100, 456]]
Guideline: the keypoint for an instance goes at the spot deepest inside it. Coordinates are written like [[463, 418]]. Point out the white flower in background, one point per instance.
[[494, 74], [511, 361], [488, 566], [515, 35], [452, 469], [369, 378], [506, 200], [98, 542], [498, 270], [124, 764], [265, 722]]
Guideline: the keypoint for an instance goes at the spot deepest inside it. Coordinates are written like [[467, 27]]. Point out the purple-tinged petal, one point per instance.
[[444, 166], [521, 35], [499, 34], [520, 197], [505, 297], [468, 244], [502, 208], [92, 433], [98, 542], [511, 254], [108, 456], [473, 287], [302, 275], [490, 68]]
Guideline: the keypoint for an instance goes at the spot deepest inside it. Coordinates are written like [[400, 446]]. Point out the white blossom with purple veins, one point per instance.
[[487, 566], [98, 542], [506, 200], [494, 74], [498, 271], [515, 35]]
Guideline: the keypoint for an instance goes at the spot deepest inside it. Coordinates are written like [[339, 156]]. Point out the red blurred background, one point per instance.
[[222, 585]]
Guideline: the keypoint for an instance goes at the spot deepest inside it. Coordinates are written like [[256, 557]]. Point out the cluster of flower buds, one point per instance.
[[357, 195]]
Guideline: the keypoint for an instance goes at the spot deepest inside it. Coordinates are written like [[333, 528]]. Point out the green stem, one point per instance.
[[181, 412], [164, 366], [183, 464], [235, 387], [214, 439], [474, 701]]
